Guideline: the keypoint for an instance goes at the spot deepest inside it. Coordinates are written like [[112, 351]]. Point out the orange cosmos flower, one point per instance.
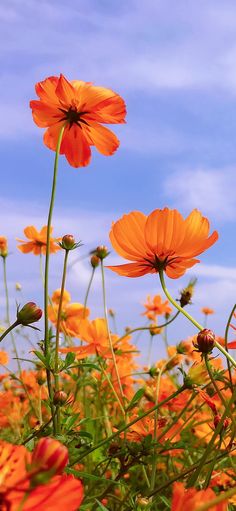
[[163, 240], [81, 107], [192, 499], [38, 241], [155, 307]]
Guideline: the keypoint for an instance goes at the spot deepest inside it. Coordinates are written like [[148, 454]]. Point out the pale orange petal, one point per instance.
[[132, 269], [104, 139]]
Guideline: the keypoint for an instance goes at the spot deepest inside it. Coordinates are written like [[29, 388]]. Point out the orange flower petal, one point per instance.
[[104, 139], [127, 236], [75, 147]]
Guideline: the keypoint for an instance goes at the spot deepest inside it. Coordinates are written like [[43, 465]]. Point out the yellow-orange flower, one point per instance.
[[81, 107], [163, 240], [155, 307], [38, 241], [72, 314], [206, 310]]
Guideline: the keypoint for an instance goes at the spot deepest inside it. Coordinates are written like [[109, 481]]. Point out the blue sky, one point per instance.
[[174, 63]]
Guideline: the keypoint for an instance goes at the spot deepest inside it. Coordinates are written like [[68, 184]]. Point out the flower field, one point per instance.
[[84, 423]]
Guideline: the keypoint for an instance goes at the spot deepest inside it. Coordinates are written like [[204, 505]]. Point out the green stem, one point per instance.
[[108, 331], [210, 445], [8, 313], [218, 391], [46, 329], [188, 316], [8, 330], [226, 344], [56, 370], [140, 328], [127, 426], [88, 290], [220, 498]]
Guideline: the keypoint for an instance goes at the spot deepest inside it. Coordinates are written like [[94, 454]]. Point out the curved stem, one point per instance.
[[147, 327], [56, 371], [46, 329], [188, 316], [8, 330]]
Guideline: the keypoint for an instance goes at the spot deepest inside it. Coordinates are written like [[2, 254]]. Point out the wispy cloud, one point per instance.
[[212, 191]]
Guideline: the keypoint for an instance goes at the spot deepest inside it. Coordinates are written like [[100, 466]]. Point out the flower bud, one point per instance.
[[187, 293], [94, 261], [41, 377], [205, 341], [154, 329], [29, 314], [68, 242], [3, 246], [101, 252], [18, 286], [60, 398], [142, 502], [217, 419], [50, 454]]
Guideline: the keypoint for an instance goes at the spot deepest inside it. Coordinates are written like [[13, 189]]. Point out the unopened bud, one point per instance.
[[94, 261], [142, 502], [205, 341], [50, 454], [154, 329], [111, 313], [217, 419], [29, 314], [18, 286], [41, 377], [101, 252], [187, 293], [3, 246], [60, 398], [68, 242]]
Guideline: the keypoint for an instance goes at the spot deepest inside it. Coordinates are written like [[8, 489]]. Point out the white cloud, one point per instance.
[[212, 191]]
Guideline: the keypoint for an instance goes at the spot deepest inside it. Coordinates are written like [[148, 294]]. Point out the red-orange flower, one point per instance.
[[163, 240], [38, 241], [81, 107], [192, 499], [3, 246]]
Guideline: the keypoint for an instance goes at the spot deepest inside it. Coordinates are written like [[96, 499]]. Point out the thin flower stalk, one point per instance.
[[56, 369], [108, 330], [46, 275], [190, 318], [127, 426], [10, 327], [226, 344]]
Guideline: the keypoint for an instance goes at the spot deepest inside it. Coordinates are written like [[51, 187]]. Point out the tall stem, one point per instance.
[[46, 330], [8, 315], [108, 331], [226, 344], [56, 371], [188, 316]]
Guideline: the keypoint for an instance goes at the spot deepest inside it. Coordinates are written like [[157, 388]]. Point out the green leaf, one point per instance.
[[42, 358], [70, 358], [135, 399]]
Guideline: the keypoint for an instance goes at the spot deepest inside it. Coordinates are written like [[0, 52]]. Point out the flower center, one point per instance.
[[72, 116]]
